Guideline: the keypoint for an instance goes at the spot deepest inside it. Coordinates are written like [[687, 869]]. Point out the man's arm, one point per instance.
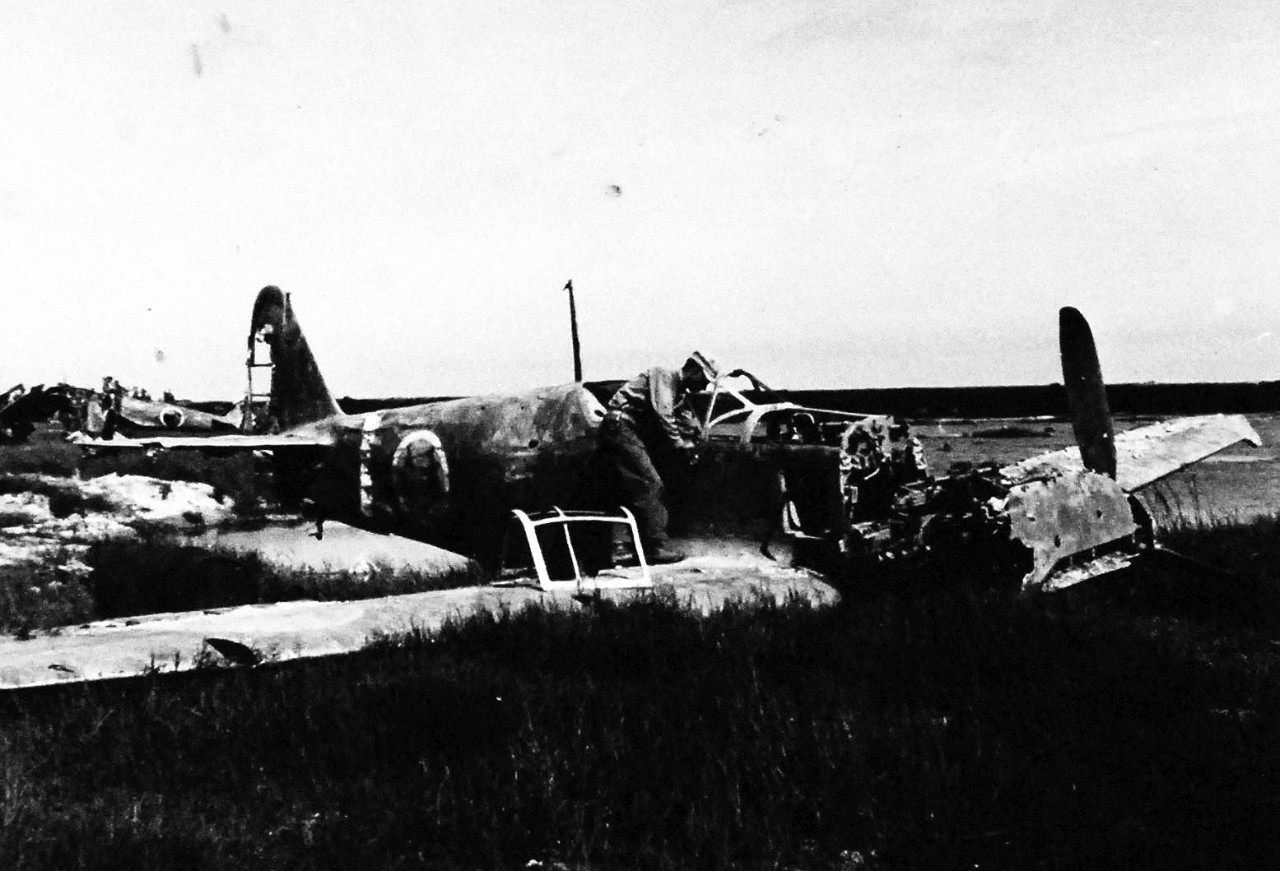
[[687, 421], [664, 395]]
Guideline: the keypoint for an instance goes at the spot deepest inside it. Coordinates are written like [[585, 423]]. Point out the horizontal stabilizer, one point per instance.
[[1149, 453]]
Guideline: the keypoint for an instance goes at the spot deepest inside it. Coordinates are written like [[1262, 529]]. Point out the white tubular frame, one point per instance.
[[530, 522]]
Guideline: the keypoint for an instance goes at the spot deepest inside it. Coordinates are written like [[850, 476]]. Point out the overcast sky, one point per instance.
[[831, 194]]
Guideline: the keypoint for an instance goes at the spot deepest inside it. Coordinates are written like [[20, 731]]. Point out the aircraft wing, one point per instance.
[[1149, 453], [213, 442]]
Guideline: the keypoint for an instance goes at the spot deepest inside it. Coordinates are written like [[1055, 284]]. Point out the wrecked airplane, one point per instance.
[[114, 410], [101, 414], [839, 489], [20, 409]]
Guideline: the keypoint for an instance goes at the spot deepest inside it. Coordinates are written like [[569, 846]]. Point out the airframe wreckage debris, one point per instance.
[[103, 413], [1064, 516]]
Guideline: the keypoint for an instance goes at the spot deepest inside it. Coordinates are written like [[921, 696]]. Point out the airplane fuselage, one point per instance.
[[451, 471]]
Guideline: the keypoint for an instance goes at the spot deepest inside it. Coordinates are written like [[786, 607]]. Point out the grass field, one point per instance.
[[1125, 724]]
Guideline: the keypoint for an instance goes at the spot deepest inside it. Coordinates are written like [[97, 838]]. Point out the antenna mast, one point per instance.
[[573, 328]]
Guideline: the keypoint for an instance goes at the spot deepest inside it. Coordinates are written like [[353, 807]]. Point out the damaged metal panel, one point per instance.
[[1156, 451], [1146, 454], [1095, 567], [1066, 516]]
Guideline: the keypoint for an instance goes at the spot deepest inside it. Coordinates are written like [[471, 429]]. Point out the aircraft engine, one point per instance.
[[420, 476]]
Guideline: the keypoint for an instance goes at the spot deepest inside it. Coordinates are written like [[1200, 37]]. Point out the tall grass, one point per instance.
[[47, 452], [43, 597], [956, 727]]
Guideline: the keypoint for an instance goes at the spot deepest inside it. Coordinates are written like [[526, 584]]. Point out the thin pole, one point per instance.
[[573, 327]]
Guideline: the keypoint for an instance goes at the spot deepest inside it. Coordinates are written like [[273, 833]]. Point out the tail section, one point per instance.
[[298, 391], [1086, 393]]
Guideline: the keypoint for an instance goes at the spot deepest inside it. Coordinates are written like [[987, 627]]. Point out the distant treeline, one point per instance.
[[1046, 399], [1015, 401]]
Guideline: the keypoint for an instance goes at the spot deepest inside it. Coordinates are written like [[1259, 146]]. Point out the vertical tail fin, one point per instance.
[[298, 391], [1086, 393]]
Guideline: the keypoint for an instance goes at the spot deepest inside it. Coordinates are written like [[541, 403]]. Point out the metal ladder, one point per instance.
[[255, 400]]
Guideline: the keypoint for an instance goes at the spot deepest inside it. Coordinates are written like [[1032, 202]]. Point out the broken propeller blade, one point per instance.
[[1086, 393]]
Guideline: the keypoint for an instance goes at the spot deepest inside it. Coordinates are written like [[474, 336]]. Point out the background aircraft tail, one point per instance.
[[298, 391]]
